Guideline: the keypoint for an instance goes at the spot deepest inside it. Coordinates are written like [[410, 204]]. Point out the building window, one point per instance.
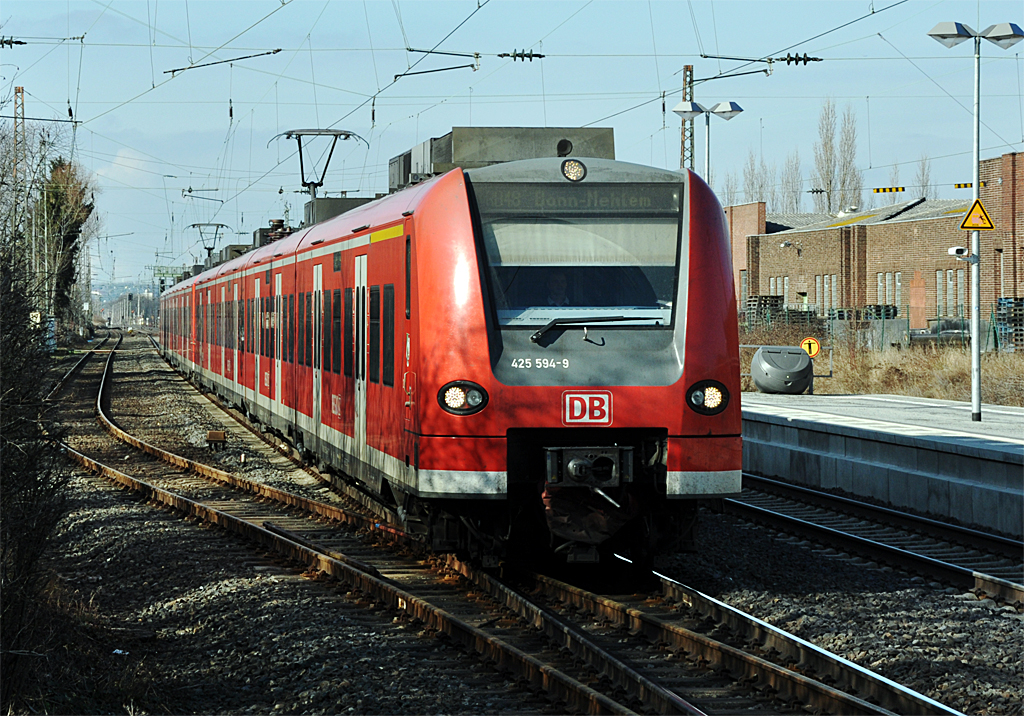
[[880, 288], [960, 288], [938, 294], [826, 304], [817, 293], [898, 286], [888, 289], [771, 286], [950, 293], [785, 290], [743, 289], [835, 291]]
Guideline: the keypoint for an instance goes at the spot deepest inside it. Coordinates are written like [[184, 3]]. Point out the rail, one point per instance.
[[873, 549], [505, 656]]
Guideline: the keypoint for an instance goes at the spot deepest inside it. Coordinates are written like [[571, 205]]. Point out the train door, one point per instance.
[[359, 320], [278, 324], [234, 333], [256, 336], [220, 327], [318, 322], [208, 332]]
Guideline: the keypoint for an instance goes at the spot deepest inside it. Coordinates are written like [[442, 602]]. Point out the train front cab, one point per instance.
[[582, 429]]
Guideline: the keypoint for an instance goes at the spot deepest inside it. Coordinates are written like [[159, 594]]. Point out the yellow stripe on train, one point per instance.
[[389, 233]]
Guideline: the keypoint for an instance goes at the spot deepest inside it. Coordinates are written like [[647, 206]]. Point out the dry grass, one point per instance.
[[922, 372], [76, 670]]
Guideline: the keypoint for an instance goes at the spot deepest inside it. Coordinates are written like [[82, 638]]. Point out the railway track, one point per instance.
[[947, 553], [631, 660]]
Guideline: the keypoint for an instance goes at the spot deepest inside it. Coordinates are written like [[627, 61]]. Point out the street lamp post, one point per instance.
[[1005, 35], [690, 110]]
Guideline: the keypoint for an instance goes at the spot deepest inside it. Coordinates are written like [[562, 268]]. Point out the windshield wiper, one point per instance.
[[593, 319]]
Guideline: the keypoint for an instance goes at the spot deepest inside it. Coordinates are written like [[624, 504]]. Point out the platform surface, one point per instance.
[[1001, 427]]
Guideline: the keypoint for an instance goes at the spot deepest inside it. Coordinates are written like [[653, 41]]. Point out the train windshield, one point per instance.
[[565, 251]]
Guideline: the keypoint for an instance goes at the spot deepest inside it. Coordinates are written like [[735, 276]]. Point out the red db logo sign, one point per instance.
[[587, 408]]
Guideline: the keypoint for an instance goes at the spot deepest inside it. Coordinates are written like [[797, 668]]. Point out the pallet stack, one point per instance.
[[1010, 323]]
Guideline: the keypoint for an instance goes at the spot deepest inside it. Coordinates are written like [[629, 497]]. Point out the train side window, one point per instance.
[[374, 334], [302, 330], [309, 328], [275, 312], [325, 331], [290, 334], [348, 333], [388, 320], [336, 332], [408, 276], [263, 325]]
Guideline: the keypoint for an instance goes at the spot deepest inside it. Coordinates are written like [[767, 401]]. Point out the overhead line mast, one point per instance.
[[686, 148]]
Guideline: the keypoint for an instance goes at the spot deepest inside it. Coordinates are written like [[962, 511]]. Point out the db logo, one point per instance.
[[587, 408]]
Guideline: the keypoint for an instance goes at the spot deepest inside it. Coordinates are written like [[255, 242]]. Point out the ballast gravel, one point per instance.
[[214, 626], [961, 651], [248, 639], [220, 636]]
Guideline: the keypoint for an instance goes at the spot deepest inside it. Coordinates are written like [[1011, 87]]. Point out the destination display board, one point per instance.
[[517, 199]]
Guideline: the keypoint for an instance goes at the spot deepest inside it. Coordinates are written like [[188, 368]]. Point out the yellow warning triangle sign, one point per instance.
[[977, 218]]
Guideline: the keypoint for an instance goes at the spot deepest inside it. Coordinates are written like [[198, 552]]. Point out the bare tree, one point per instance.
[[894, 179], [759, 182], [730, 190], [848, 176], [792, 184], [924, 178], [768, 188], [33, 488], [750, 188], [825, 159]]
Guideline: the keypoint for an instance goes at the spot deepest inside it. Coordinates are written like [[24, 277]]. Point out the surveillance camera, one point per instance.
[[958, 251], [785, 244]]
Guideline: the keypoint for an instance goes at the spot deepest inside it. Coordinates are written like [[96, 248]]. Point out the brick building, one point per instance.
[[894, 255]]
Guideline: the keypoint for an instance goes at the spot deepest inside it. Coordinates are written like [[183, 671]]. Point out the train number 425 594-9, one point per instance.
[[540, 363]]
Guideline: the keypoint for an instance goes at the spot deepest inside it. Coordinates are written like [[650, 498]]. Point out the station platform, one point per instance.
[[918, 453]]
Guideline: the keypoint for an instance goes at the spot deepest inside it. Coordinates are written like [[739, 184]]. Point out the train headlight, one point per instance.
[[455, 398], [708, 397], [574, 170], [462, 397]]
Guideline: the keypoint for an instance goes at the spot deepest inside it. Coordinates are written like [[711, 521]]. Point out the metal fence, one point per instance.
[[881, 327]]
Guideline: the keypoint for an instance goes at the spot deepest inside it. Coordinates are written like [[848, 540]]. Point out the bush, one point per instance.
[[33, 488]]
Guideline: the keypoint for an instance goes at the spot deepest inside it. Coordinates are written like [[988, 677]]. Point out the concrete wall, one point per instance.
[[977, 485]]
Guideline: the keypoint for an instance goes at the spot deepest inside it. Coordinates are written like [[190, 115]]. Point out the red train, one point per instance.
[[536, 355]]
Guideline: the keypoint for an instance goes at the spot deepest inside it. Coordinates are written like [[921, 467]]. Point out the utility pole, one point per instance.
[[686, 147]]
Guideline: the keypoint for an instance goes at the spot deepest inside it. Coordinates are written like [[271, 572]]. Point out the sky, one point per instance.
[[148, 135]]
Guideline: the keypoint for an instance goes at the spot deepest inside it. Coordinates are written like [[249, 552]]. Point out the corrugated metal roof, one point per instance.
[[911, 210]]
